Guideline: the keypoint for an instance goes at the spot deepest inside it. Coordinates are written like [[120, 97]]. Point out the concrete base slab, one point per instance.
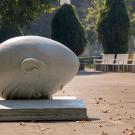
[[59, 108]]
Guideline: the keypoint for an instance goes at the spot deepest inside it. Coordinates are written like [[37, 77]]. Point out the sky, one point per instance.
[[65, 1]]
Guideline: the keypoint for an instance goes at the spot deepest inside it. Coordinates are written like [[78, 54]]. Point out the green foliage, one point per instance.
[[15, 14], [67, 29], [9, 31], [93, 13], [90, 19], [113, 27], [131, 11]]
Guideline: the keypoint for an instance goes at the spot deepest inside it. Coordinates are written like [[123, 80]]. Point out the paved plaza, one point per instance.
[[110, 102]]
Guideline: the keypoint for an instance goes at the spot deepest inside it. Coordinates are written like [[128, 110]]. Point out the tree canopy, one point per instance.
[[15, 14]]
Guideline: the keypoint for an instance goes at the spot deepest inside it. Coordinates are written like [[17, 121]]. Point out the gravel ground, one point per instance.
[[110, 102]]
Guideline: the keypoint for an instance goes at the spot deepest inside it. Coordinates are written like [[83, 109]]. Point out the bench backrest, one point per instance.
[[108, 58], [122, 59]]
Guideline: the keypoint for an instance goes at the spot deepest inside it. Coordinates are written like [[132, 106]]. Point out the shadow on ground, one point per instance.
[[85, 72], [64, 121]]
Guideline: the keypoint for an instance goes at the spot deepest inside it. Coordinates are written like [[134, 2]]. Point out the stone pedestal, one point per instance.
[[59, 108]]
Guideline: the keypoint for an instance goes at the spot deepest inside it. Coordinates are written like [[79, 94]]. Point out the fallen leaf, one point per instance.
[[127, 118], [100, 126], [132, 117], [43, 129], [104, 133], [97, 102], [111, 118], [22, 124], [131, 133], [105, 111], [119, 118]]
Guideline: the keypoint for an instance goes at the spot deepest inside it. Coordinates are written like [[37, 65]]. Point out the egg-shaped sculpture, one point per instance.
[[34, 67]]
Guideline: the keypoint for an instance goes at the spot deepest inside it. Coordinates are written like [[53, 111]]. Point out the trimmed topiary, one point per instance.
[[113, 27], [68, 30]]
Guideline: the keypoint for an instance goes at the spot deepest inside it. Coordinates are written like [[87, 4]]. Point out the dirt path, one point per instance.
[[110, 101]]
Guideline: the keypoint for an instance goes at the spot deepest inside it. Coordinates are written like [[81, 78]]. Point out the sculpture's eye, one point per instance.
[[31, 69], [30, 64]]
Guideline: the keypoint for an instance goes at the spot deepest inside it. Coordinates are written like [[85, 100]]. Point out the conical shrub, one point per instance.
[[68, 30], [113, 27]]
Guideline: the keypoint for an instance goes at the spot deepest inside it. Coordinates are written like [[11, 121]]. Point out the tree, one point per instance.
[[67, 29], [93, 13], [113, 27], [15, 14], [90, 20]]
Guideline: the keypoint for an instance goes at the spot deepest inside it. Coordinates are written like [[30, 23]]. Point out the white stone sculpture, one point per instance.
[[33, 67]]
